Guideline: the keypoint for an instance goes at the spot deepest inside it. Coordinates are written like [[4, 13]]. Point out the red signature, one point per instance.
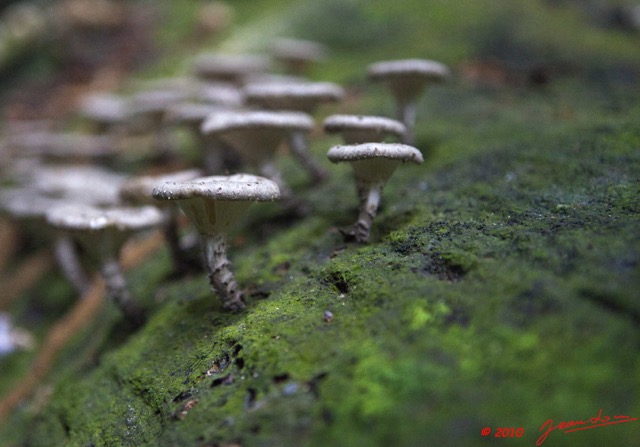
[[571, 426]]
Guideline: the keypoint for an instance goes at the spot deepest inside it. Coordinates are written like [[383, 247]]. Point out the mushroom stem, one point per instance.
[[407, 114], [369, 201], [220, 277], [269, 170], [67, 259], [172, 235], [117, 290], [299, 149]]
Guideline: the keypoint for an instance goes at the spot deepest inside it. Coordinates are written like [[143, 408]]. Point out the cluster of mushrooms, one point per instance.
[[239, 115]]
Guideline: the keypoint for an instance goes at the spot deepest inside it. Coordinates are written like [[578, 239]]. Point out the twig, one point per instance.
[[78, 317], [28, 273], [8, 238]]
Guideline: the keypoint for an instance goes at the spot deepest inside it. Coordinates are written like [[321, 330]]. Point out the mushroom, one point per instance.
[[48, 187], [256, 135], [373, 164], [406, 79], [84, 184], [139, 190], [301, 97], [104, 111], [363, 129], [149, 107], [232, 68], [60, 146], [217, 155], [103, 232], [214, 205], [219, 94], [28, 207], [297, 55]]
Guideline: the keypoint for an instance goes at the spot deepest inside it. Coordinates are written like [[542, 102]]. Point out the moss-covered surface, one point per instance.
[[500, 288]]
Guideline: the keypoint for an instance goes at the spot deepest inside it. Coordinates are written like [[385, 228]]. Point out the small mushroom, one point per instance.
[[406, 79], [104, 111], [256, 135], [217, 155], [297, 55], [139, 191], [363, 129], [60, 146], [373, 164], [231, 68], [148, 109], [83, 184], [28, 207], [103, 232], [46, 187], [300, 97], [214, 205], [219, 94]]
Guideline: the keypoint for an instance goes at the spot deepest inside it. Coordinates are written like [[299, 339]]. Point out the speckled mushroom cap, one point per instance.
[[241, 120], [255, 134], [103, 231], [374, 162], [300, 96], [214, 204], [406, 77], [228, 67], [139, 190], [87, 218], [366, 151], [237, 187], [363, 128]]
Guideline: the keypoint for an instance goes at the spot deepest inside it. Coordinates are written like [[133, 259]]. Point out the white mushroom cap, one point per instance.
[[228, 67], [363, 128], [84, 184], [237, 187], [300, 96], [139, 190], [366, 151], [273, 78], [220, 93], [156, 101], [102, 231], [26, 203], [255, 134], [375, 162], [214, 204], [85, 218], [298, 50], [244, 120], [407, 77], [105, 108], [59, 145]]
